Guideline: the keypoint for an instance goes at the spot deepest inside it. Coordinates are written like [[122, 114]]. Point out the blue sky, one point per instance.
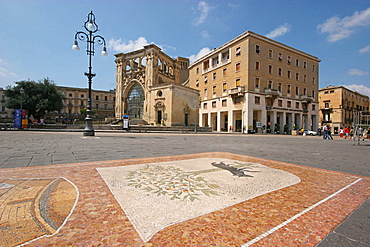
[[36, 36]]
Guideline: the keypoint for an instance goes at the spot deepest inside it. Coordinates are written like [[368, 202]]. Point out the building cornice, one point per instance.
[[255, 35]]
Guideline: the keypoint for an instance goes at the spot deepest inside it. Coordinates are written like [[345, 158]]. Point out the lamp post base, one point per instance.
[[89, 130], [89, 133]]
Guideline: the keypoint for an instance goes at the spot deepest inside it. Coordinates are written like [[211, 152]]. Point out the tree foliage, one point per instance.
[[38, 97]]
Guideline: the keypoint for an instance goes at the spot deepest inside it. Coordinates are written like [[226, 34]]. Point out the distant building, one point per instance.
[[4, 112], [149, 88], [256, 82], [339, 106], [103, 102]]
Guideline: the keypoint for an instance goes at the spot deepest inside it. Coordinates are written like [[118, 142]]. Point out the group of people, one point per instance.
[[327, 132], [345, 132]]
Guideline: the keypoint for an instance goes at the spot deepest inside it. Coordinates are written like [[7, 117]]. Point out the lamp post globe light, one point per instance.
[[90, 38]]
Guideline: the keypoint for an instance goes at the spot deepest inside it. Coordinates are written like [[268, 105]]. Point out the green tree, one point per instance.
[[84, 111], [38, 97]]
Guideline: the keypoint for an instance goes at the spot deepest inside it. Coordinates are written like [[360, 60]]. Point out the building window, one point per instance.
[[289, 74], [205, 80], [237, 100], [96, 106], [297, 105], [214, 90], [288, 89], [297, 76], [97, 97], [270, 69], [224, 87], [305, 65], [280, 102], [215, 61], [82, 96], [70, 95], [237, 51], [224, 103], [313, 107], [313, 67], [289, 104], [304, 78], [257, 65], [205, 92], [296, 90], [327, 117], [204, 105], [213, 104], [224, 72], [197, 70], [105, 97], [289, 60], [270, 53], [225, 56], [206, 65], [237, 67], [269, 84], [256, 82], [257, 100], [313, 81], [237, 82], [258, 49], [326, 104], [214, 76], [304, 91], [280, 57], [197, 83], [280, 71], [297, 62], [313, 93], [279, 87]]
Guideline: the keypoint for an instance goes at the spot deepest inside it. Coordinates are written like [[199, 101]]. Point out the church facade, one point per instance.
[[150, 88]]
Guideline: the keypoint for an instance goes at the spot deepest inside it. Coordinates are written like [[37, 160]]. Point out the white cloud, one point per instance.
[[205, 34], [365, 49], [360, 89], [235, 6], [204, 9], [200, 54], [132, 45], [357, 72], [343, 28], [4, 71], [279, 31]]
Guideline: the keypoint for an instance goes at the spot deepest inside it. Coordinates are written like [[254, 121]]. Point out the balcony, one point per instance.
[[237, 91], [306, 99], [271, 93]]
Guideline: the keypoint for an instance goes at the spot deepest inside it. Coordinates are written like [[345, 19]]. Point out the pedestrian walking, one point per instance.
[[330, 137], [325, 129]]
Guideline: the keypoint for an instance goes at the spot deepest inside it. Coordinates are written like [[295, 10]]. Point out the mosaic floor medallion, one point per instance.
[[157, 195], [32, 208]]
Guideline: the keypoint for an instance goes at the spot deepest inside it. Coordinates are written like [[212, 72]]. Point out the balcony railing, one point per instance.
[[306, 98], [237, 91], [272, 92]]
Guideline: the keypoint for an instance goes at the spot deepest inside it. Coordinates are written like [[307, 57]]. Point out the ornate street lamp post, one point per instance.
[[91, 27], [21, 90]]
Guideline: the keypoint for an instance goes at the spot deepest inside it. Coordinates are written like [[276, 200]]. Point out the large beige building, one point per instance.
[[339, 106], [149, 88], [253, 81], [103, 102]]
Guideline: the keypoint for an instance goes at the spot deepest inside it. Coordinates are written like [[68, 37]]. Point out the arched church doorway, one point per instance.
[[135, 102]]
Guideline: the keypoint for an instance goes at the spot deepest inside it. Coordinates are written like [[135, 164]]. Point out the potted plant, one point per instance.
[[295, 130], [250, 129]]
